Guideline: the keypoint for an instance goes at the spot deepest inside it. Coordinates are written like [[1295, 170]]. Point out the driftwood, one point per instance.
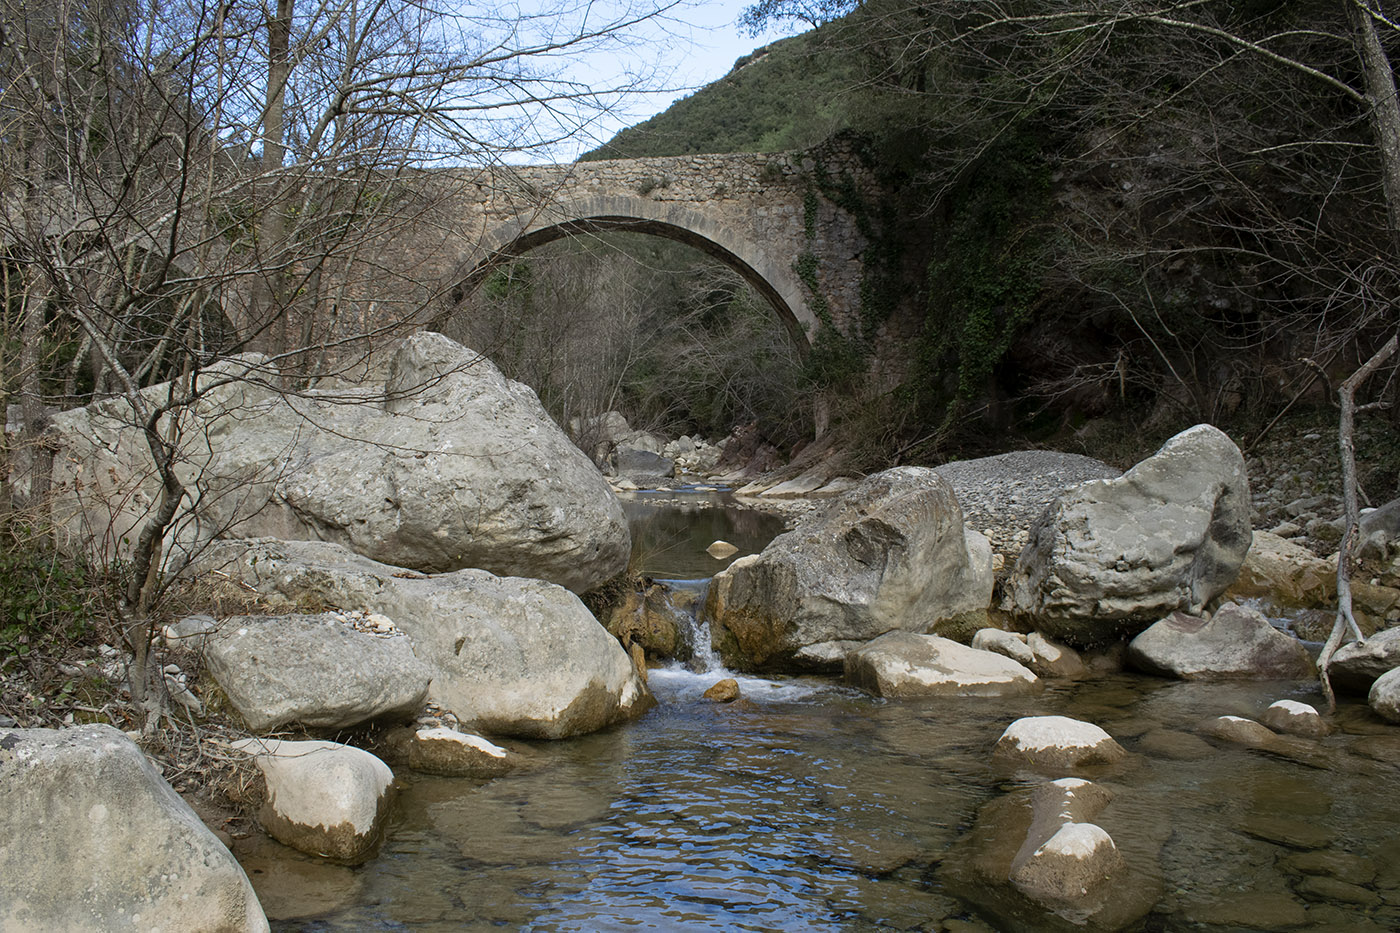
[[1346, 621]]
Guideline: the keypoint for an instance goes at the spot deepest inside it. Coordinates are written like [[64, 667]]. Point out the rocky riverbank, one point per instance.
[[985, 578]]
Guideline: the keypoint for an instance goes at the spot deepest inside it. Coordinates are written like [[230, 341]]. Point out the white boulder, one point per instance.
[[903, 664], [92, 838], [1056, 744], [322, 797]]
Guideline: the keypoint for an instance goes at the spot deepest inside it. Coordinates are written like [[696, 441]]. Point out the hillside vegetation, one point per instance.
[[1094, 219], [788, 95]]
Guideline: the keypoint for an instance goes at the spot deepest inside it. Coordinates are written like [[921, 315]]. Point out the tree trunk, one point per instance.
[[1384, 108], [271, 231]]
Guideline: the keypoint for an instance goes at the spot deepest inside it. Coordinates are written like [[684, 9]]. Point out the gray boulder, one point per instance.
[[642, 466], [92, 838], [1236, 642], [903, 664], [317, 670], [1379, 532], [1355, 666], [1385, 696], [447, 465], [891, 555], [1110, 557], [1295, 718], [508, 656], [322, 797], [1044, 656]]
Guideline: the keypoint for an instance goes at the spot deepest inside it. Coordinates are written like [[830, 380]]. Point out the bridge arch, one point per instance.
[[767, 273]]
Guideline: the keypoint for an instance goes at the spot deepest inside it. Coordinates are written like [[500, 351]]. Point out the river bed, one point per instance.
[[807, 806]]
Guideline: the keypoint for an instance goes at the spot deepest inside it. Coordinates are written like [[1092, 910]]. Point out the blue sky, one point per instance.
[[696, 44]]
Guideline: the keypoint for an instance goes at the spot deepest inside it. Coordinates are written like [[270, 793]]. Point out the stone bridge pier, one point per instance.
[[761, 214]]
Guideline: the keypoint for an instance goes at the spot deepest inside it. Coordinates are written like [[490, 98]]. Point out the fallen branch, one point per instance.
[[1346, 621]]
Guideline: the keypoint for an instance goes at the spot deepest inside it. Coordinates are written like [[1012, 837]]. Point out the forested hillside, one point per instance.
[[1103, 216]]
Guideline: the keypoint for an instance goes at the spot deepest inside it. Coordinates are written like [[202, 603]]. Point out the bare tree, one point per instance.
[[188, 179]]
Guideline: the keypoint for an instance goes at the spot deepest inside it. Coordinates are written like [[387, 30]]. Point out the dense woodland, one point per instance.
[[1100, 214]]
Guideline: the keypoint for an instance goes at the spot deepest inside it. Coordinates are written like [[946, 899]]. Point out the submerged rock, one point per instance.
[[322, 797], [1236, 642], [902, 664], [891, 555], [508, 656], [1036, 859], [315, 670], [1110, 557], [92, 838]]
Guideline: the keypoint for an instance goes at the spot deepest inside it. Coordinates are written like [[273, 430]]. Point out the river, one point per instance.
[[807, 806]]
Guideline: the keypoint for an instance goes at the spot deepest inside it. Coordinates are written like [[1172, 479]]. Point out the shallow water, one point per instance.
[[806, 806], [671, 530]]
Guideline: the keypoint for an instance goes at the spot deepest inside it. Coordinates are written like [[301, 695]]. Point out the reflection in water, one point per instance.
[[805, 806], [670, 534]]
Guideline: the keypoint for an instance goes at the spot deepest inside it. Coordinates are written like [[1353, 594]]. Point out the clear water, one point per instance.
[[671, 530], [805, 806]]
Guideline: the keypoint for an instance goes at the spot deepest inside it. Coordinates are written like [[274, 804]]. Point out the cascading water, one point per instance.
[[690, 621]]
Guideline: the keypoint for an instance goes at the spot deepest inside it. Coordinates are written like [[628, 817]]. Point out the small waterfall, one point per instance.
[[686, 603]]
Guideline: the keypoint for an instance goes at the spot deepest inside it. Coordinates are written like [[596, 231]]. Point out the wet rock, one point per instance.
[[315, 670], [1056, 745], [1236, 642], [92, 838], [1334, 864], [723, 691], [1285, 573], [1385, 696], [892, 555], [1295, 718], [508, 656], [1252, 910], [445, 751], [719, 550], [1036, 860], [1322, 888], [1238, 731], [1174, 746], [902, 664], [323, 798], [1355, 667], [1110, 557], [1286, 831]]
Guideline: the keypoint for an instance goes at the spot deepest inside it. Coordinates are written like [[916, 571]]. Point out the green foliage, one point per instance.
[[776, 98], [45, 597], [985, 279]]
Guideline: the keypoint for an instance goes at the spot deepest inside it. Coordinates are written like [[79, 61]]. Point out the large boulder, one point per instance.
[[1355, 666], [903, 664], [1236, 642], [318, 670], [322, 797], [447, 465], [508, 656], [891, 555], [1110, 557], [92, 838], [1286, 574], [1384, 696]]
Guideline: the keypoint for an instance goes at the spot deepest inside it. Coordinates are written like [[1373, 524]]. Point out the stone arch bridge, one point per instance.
[[761, 214]]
